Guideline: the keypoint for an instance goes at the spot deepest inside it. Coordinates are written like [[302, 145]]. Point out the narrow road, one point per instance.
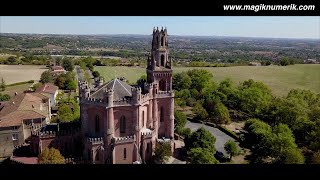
[[221, 137]]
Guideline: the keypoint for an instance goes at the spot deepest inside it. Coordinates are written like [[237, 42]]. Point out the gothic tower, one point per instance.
[[159, 65]]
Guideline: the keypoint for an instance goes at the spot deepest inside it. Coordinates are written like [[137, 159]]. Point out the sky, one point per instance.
[[240, 26]]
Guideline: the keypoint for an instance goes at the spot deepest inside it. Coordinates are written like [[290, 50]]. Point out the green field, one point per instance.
[[279, 78], [18, 88]]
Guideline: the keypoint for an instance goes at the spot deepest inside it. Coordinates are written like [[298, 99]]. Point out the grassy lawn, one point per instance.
[[281, 79], [18, 88]]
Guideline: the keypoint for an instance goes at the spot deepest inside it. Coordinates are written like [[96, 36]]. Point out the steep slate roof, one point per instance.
[[121, 90], [24, 106], [48, 88]]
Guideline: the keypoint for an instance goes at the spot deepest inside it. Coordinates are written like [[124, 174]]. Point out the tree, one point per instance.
[[46, 77], [3, 85], [200, 111], [272, 145], [200, 78], [67, 64], [231, 148], [268, 63], [284, 61], [51, 156], [65, 113], [221, 113], [162, 151], [96, 74], [61, 81], [180, 119], [201, 156], [181, 81], [201, 138], [254, 97], [72, 85], [12, 60]]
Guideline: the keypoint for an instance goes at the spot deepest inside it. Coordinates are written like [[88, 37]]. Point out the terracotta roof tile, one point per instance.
[[24, 106]]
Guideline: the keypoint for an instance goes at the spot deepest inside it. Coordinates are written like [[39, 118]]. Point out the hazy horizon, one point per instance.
[[214, 26]]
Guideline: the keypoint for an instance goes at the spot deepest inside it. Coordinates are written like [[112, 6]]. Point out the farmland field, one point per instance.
[[281, 79], [19, 73]]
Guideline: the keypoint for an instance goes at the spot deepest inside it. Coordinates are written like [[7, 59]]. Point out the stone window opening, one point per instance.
[[143, 120], [161, 114], [97, 124], [148, 148], [162, 60], [122, 124], [125, 153], [162, 41]]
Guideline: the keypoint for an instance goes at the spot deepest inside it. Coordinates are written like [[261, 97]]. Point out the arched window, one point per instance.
[[97, 124], [162, 60], [161, 114], [162, 85], [97, 158], [162, 41], [125, 153], [157, 42], [123, 124], [142, 118], [148, 147]]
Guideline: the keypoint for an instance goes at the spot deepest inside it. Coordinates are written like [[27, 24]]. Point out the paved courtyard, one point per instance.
[[221, 137]]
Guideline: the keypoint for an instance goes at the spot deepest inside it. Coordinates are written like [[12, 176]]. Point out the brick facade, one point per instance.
[[120, 123]]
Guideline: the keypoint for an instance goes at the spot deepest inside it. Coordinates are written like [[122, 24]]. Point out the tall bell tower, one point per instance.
[[159, 65]]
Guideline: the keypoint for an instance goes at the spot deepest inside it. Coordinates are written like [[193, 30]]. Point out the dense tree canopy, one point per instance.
[[181, 81], [201, 156], [199, 78], [67, 64], [51, 156], [162, 152], [46, 77], [272, 145], [201, 138]]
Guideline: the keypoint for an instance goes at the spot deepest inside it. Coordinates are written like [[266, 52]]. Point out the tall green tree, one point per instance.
[[231, 148], [254, 97], [46, 77], [51, 156], [181, 81], [162, 151], [201, 138], [200, 78], [67, 64], [65, 113], [221, 113], [180, 119]]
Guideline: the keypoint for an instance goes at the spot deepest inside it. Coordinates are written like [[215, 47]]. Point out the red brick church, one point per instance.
[[121, 124]]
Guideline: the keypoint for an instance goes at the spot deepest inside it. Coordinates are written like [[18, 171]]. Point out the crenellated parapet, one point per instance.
[[146, 135], [127, 139], [94, 141], [165, 94]]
